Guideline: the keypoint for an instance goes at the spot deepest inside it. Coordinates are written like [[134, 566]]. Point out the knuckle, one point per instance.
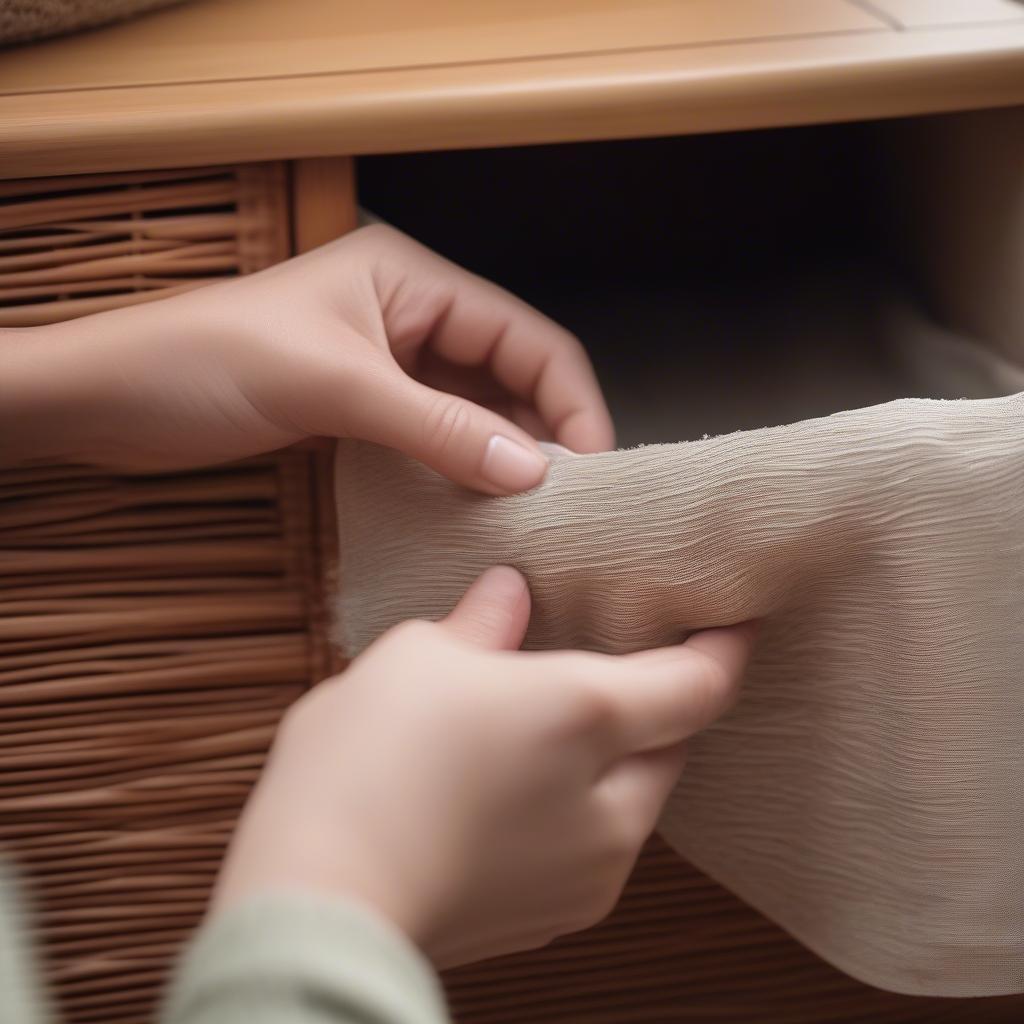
[[544, 937], [445, 422], [292, 723], [600, 906], [594, 708], [291, 720], [712, 687], [412, 631], [609, 900], [572, 345], [624, 840], [377, 234]]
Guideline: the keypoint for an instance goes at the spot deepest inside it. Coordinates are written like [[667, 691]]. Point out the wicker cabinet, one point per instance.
[[153, 629]]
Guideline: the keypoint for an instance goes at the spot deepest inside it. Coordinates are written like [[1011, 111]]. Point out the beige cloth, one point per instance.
[[22, 20], [868, 791]]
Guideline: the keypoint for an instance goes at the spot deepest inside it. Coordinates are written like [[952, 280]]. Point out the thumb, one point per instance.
[[460, 440], [494, 612]]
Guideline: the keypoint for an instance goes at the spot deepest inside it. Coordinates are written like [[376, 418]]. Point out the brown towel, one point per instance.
[[22, 20]]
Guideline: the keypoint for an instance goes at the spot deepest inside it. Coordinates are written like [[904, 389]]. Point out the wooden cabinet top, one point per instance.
[[214, 81]]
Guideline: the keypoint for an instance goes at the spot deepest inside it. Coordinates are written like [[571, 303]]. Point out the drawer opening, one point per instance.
[[749, 279]]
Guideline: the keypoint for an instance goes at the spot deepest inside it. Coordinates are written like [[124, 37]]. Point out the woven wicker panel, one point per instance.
[[151, 632], [76, 245], [152, 629]]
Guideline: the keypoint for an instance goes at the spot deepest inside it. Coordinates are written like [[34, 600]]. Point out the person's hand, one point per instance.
[[485, 800], [372, 336]]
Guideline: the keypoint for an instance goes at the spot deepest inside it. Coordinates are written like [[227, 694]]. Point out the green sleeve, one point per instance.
[[291, 959], [22, 997]]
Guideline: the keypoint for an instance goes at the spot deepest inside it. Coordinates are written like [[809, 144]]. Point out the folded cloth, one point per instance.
[[867, 793]]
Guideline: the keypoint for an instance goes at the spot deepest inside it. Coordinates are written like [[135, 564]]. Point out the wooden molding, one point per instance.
[[323, 200], [252, 80], [324, 207]]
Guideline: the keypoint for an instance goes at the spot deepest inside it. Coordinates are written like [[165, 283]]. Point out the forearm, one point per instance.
[[140, 388], [50, 393], [304, 960]]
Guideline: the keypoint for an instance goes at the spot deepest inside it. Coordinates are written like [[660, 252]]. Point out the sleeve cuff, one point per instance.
[[307, 959]]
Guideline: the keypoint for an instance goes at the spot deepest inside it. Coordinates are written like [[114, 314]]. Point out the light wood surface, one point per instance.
[[228, 80], [323, 200], [324, 207], [221, 40]]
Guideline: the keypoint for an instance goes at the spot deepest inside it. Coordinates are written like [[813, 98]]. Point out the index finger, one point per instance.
[[480, 324]]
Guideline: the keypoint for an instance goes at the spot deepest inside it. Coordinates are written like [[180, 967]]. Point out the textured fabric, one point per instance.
[[868, 791], [22, 20], [302, 960]]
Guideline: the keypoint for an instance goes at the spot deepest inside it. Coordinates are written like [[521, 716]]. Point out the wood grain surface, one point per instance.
[[228, 80]]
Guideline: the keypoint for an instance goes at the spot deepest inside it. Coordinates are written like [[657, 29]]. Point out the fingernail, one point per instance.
[[512, 467], [551, 448]]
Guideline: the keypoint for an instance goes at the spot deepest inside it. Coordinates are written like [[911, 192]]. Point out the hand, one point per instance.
[[372, 336], [485, 800]]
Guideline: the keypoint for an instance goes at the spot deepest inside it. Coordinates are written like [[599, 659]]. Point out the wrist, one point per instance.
[[324, 868]]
